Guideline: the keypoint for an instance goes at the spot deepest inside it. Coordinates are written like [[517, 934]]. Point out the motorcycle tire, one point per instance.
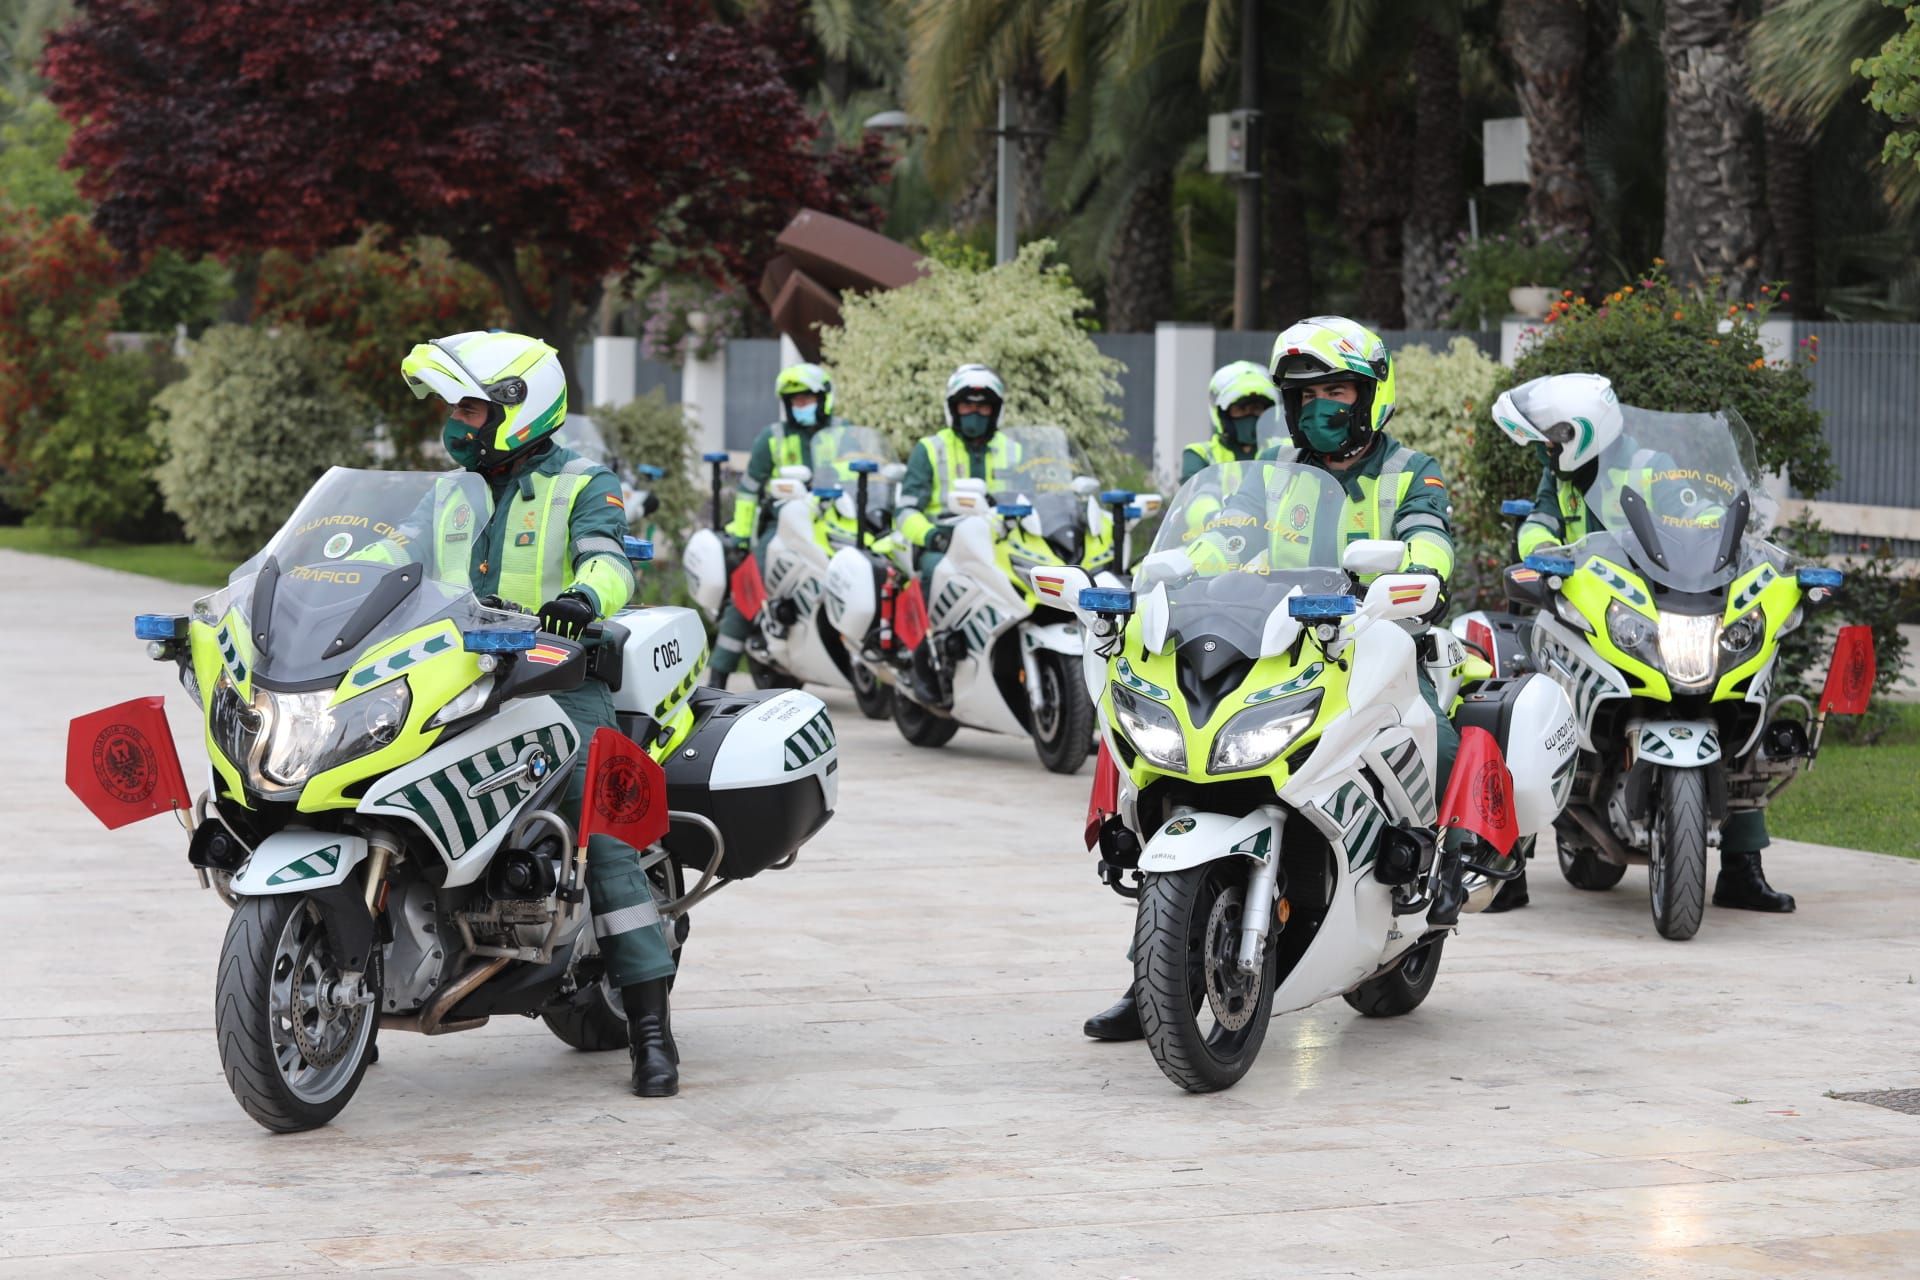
[[1677, 867], [1402, 988], [592, 1020], [874, 698], [921, 727], [272, 941], [1063, 726], [1585, 869], [1185, 938], [765, 677]]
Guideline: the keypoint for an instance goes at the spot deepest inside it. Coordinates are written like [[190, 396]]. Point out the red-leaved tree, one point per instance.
[[57, 286], [534, 136]]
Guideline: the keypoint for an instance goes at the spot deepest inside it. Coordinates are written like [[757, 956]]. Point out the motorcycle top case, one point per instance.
[[763, 767], [1532, 721], [661, 658]]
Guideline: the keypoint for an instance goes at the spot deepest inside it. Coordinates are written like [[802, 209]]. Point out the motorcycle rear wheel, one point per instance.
[[1204, 1021], [1585, 869], [1402, 988], [270, 996], [1677, 862], [920, 726], [765, 677], [1063, 724], [874, 697]]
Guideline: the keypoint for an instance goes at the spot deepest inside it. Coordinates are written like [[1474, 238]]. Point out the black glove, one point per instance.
[[939, 539], [737, 550], [568, 614], [1440, 597]]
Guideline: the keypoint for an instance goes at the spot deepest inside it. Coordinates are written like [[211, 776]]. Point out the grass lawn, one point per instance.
[[172, 561], [1859, 797]]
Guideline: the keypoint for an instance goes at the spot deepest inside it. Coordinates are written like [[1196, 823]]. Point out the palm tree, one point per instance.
[[1435, 215], [1547, 41], [1712, 216]]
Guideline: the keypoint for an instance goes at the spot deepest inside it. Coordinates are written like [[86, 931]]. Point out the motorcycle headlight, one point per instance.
[[1687, 646], [1152, 729], [1633, 633], [1257, 736], [1741, 638], [305, 736], [464, 703], [234, 723], [1565, 610], [190, 681]]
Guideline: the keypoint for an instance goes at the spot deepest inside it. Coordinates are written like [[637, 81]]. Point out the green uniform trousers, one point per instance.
[[734, 626], [627, 925]]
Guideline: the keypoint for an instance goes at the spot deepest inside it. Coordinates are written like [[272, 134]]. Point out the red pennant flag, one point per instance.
[[749, 592], [122, 765], [1480, 793], [1104, 802], [626, 793], [910, 615], [1850, 674]]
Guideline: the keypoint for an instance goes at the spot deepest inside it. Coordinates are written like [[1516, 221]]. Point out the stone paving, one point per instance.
[[884, 1072]]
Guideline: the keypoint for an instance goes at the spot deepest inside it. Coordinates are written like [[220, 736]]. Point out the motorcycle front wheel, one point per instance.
[[1677, 862], [920, 726], [1063, 722], [1204, 1019], [874, 697], [292, 1051]]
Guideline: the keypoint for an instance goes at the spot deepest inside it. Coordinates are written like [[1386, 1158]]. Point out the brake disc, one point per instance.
[[1227, 986], [299, 1006]]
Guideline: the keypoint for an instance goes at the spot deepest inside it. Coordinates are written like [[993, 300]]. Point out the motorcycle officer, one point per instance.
[[1337, 393], [553, 545], [805, 392], [1237, 395], [1543, 413]]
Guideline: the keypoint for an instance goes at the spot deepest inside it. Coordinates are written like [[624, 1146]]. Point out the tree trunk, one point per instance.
[[1288, 257], [1790, 210], [1712, 229], [1439, 203], [1547, 41], [245, 268], [558, 326], [1374, 198], [1140, 263]]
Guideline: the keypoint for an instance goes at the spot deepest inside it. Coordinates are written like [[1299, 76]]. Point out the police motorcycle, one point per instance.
[[1003, 658], [385, 765], [1664, 630], [782, 589], [1271, 765]]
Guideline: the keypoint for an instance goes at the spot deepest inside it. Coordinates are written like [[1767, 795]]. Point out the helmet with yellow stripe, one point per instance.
[[1323, 349], [518, 377], [1234, 384]]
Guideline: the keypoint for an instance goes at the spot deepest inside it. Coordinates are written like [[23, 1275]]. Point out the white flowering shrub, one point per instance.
[[258, 417], [1444, 398], [894, 351]]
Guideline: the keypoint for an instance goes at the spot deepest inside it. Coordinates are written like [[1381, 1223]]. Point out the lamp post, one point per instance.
[[1006, 204]]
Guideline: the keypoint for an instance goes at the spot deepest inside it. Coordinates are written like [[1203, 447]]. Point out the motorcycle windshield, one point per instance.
[[1254, 532], [837, 448], [1670, 490], [366, 556], [1039, 460]]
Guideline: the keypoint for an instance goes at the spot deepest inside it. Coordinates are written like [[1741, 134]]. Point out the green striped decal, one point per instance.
[[231, 652], [1360, 821], [811, 741], [442, 802], [1412, 772], [1140, 684], [1618, 581], [394, 663], [1299, 682], [1761, 581], [319, 863]]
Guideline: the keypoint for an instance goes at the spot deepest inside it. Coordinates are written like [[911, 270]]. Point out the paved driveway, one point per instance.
[[884, 1072]]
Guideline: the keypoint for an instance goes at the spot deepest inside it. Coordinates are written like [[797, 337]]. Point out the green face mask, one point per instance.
[[1244, 432], [1324, 424], [463, 443]]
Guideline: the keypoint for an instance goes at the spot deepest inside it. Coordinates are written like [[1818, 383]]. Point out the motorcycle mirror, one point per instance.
[[1084, 485], [1374, 555], [1401, 595], [894, 472], [797, 472]]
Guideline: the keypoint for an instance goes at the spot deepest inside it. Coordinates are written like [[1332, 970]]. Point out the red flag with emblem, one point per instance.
[[910, 615], [122, 765], [1850, 674], [1480, 793], [749, 592], [1104, 802], [626, 793]]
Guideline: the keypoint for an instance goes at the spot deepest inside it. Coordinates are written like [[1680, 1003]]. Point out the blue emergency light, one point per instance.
[[1815, 577], [498, 640], [639, 550], [1320, 608], [161, 626], [1552, 566], [1517, 507], [1114, 497], [1106, 600], [864, 467]]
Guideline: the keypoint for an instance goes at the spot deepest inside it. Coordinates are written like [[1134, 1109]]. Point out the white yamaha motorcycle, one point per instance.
[[781, 588], [1271, 798]]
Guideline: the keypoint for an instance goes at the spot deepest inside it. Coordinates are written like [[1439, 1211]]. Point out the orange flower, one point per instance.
[[1659, 262], [1676, 315], [1749, 306], [1566, 293], [1732, 309], [1627, 289]]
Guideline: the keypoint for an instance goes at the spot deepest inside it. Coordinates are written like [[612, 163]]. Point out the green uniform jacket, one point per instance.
[[1420, 513], [558, 523], [777, 445], [925, 489], [1196, 458]]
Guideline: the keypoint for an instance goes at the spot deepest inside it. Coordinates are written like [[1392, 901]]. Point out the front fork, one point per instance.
[[1262, 887]]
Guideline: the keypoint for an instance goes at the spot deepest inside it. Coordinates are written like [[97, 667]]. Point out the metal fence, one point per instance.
[[752, 366], [1867, 386]]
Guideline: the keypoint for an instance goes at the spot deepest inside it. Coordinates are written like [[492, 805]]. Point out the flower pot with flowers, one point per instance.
[[1522, 270]]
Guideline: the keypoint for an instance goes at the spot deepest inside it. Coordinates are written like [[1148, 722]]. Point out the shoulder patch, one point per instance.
[[614, 500], [1435, 481]]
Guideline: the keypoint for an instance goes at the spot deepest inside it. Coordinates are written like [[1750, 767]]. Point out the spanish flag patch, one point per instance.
[[1435, 481], [615, 500], [1405, 595], [547, 655]]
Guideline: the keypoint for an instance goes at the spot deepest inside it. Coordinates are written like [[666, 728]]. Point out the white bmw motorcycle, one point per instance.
[[1271, 801], [782, 588]]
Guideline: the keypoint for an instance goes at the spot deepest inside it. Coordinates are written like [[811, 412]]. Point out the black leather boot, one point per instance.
[[1121, 1022], [1512, 895], [1743, 885], [1449, 890], [656, 1062]]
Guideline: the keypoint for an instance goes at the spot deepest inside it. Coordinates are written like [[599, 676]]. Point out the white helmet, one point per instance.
[[975, 382], [1575, 416], [519, 378]]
